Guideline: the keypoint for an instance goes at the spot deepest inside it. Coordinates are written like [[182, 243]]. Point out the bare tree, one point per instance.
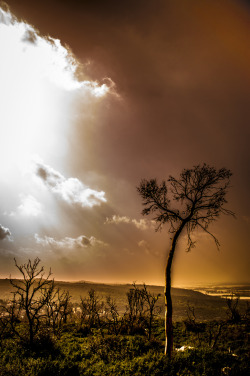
[[151, 309], [233, 310], [192, 325], [30, 296], [58, 308], [115, 322], [92, 310], [134, 314], [200, 195], [9, 313], [141, 309]]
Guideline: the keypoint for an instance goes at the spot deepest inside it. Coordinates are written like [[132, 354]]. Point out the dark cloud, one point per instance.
[[85, 241], [4, 233], [50, 177], [30, 36]]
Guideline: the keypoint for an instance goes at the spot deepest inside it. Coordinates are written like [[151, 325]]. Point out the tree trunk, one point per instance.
[[30, 322], [31, 335], [168, 299], [168, 307]]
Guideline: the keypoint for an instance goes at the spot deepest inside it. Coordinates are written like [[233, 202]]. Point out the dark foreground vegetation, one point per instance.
[[77, 351], [44, 333]]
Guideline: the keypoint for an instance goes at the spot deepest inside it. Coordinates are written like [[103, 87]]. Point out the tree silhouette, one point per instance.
[[199, 194], [30, 297]]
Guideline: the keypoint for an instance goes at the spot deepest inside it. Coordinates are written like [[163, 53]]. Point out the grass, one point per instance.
[[88, 355]]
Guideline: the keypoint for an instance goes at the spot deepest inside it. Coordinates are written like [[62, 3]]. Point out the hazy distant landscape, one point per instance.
[[207, 301], [241, 290]]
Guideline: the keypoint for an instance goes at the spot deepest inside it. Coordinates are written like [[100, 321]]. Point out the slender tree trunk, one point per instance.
[[168, 307], [31, 334], [150, 326], [168, 299], [30, 322]]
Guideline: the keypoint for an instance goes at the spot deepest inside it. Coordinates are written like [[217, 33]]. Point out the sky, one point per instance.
[[97, 95]]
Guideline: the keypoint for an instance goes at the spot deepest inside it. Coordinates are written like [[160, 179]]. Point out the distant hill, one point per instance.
[[206, 307]]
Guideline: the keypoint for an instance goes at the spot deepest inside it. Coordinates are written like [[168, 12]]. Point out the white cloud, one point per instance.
[[4, 233], [29, 207], [144, 245], [117, 219], [69, 243], [46, 55], [41, 83], [141, 224], [6, 17], [71, 190]]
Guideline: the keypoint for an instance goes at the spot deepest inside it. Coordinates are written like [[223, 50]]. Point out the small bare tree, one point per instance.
[[134, 314], [115, 322], [151, 309], [141, 309], [9, 312], [58, 308], [30, 297], [233, 310], [191, 324], [92, 310], [200, 195]]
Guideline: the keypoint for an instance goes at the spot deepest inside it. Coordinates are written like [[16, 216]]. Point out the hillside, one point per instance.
[[206, 307]]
